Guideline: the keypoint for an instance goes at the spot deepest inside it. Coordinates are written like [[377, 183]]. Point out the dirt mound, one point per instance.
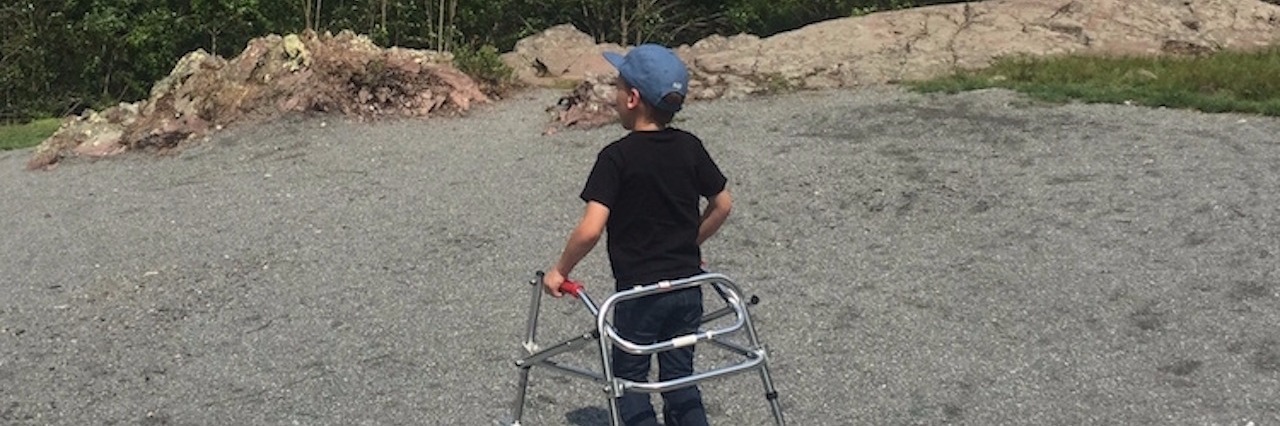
[[917, 43], [274, 75]]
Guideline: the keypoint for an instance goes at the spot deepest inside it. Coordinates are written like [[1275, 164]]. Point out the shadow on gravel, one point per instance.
[[588, 416]]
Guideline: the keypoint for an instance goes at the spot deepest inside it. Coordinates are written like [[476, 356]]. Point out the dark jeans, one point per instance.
[[652, 319]]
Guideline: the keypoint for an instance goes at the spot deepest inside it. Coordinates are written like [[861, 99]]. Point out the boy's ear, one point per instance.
[[633, 98]]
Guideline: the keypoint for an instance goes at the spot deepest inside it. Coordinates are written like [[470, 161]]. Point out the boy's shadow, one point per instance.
[[588, 416]]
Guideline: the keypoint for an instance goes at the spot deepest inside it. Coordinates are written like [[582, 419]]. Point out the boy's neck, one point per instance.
[[648, 128], [642, 124]]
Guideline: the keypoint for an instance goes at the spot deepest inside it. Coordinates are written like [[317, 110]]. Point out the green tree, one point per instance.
[[233, 20], [125, 45], [56, 53]]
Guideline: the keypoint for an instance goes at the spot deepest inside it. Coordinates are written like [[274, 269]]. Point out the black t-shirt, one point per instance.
[[652, 183]]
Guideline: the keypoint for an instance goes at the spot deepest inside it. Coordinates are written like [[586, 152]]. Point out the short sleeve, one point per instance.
[[604, 181], [710, 179]]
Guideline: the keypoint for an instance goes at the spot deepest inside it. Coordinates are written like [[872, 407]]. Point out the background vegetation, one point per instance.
[[58, 56]]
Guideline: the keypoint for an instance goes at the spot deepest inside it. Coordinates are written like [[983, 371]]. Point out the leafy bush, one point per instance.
[[483, 64]]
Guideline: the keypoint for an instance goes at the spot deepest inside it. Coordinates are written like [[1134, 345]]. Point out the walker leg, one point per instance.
[[517, 410], [530, 346], [770, 393], [613, 390], [535, 301]]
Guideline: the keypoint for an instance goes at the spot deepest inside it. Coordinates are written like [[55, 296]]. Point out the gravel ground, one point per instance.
[[969, 259]]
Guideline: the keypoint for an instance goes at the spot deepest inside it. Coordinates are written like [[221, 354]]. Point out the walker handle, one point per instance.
[[572, 287]]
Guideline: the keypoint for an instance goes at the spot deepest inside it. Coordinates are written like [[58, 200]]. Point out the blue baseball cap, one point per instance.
[[655, 71]]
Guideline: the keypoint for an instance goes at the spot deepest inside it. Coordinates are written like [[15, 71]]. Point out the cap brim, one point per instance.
[[615, 59]]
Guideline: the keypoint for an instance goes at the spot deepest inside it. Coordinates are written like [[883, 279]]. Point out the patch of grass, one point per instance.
[[1227, 81], [775, 83], [18, 136], [565, 83]]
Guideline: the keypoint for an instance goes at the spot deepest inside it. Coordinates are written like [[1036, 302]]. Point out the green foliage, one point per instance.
[[18, 136], [55, 54], [483, 64], [892, 5], [27, 72], [229, 22], [774, 83], [1226, 81]]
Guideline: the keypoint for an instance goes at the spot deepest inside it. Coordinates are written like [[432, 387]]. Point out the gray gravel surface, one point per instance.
[[967, 259]]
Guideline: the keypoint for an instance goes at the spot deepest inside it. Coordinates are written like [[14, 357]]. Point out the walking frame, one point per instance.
[[754, 355]]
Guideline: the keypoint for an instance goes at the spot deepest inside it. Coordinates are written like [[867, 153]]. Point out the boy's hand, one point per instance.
[[552, 281]]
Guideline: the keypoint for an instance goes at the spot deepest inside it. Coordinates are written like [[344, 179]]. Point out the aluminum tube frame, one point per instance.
[[722, 284], [756, 355], [557, 349], [684, 382]]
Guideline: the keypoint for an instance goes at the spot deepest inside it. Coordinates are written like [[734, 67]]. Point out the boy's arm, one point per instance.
[[581, 241], [718, 208]]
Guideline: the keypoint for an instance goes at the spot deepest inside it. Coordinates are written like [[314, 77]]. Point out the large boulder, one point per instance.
[[930, 41], [922, 43], [558, 55]]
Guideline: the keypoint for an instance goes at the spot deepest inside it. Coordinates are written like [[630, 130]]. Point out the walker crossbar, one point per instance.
[[719, 281], [755, 357]]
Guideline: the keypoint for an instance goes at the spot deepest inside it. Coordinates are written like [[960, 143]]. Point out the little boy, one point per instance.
[[645, 189]]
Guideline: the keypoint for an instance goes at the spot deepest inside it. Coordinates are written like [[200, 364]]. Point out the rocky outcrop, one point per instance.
[[930, 41], [919, 43]]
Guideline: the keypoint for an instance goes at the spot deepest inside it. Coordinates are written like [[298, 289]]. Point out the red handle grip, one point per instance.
[[572, 287]]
